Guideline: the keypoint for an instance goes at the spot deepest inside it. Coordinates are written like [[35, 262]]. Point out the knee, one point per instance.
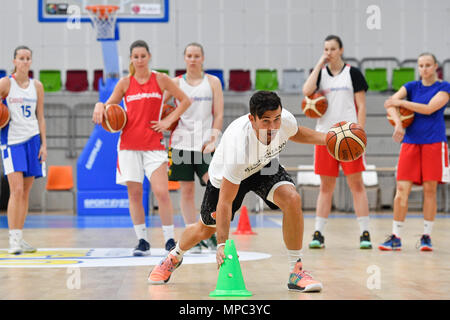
[[162, 195], [327, 187], [357, 187], [402, 194], [135, 195], [429, 191], [17, 192], [188, 191], [291, 200]]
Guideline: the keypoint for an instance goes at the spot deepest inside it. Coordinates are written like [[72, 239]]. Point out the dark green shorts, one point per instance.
[[184, 164]]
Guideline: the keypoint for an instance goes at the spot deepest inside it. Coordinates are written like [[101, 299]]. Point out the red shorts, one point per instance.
[[423, 162], [326, 165]]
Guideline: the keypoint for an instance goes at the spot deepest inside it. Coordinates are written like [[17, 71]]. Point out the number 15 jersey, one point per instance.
[[23, 124]]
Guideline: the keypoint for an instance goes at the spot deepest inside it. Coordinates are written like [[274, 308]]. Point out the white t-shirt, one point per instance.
[[22, 107], [195, 124], [240, 154]]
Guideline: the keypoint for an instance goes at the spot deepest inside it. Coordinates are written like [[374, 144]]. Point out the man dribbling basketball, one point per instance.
[[344, 87], [244, 161]]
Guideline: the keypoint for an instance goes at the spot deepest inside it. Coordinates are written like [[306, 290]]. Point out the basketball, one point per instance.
[[346, 141], [168, 109], [4, 115], [115, 118], [315, 105], [406, 116]]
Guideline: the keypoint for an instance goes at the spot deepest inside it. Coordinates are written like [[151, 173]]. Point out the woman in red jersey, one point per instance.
[[141, 150]]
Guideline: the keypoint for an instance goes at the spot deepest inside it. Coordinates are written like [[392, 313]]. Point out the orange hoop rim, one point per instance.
[[103, 10]]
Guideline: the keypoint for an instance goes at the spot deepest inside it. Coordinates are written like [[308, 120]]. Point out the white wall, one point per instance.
[[239, 33]]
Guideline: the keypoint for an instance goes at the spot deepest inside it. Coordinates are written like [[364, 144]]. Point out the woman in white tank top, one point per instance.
[[23, 143], [344, 87], [196, 134]]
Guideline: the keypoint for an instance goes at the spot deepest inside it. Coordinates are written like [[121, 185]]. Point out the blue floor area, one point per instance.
[[64, 221]]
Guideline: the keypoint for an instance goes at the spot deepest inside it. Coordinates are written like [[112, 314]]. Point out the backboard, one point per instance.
[[130, 11]]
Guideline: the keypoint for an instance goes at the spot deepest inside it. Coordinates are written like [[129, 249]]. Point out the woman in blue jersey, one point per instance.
[[23, 143], [423, 158]]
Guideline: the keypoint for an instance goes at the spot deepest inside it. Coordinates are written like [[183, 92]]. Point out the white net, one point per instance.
[[103, 20]]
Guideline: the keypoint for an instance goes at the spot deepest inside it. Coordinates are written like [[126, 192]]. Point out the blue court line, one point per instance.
[[105, 222]]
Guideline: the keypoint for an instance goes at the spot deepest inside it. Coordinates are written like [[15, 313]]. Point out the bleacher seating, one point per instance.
[[293, 80], [77, 80], [51, 80], [98, 76], [376, 79], [401, 76], [239, 80], [266, 79], [166, 71], [179, 72], [219, 74]]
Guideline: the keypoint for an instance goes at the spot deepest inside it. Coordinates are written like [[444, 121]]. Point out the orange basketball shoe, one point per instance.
[[162, 272], [300, 280]]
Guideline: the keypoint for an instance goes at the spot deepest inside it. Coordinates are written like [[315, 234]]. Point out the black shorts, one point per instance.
[[261, 184]]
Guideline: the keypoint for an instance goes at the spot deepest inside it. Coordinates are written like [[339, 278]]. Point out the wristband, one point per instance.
[[220, 245]]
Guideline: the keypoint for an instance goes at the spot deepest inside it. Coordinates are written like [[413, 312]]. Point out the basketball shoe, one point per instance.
[[425, 243], [15, 246], [392, 243], [197, 248], [170, 244], [300, 280], [26, 247], [317, 241], [211, 243], [142, 249], [364, 241], [162, 272]]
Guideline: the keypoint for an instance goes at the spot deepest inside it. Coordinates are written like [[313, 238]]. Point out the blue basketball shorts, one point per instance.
[[23, 157]]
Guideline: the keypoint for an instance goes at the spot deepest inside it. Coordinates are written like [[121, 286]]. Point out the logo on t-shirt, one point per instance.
[[145, 95]]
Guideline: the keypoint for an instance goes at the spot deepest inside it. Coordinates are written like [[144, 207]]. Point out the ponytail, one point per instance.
[[131, 69]]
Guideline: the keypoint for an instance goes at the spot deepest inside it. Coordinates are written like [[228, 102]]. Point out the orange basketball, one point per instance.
[[4, 115], [346, 141], [315, 105], [168, 109], [406, 116], [115, 118]]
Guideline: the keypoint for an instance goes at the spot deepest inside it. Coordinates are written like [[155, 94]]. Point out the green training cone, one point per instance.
[[230, 281]]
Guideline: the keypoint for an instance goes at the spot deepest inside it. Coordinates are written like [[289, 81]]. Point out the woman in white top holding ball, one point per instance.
[[344, 87], [23, 143]]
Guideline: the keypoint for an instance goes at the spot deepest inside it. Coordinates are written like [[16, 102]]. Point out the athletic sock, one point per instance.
[[320, 224], [427, 227], [397, 227], [293, 256], [141, 231], [363, 224], [16, 234], [168, 232], [177, 252]]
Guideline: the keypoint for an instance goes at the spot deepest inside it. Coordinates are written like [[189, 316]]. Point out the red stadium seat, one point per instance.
[[76, 80], [239, 80], [179, 72], [98, 74]]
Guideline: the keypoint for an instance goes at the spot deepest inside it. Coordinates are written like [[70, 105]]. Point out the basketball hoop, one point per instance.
[[104, 20]]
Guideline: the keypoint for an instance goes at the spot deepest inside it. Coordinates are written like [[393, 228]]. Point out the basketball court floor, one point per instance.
[[89, 258]]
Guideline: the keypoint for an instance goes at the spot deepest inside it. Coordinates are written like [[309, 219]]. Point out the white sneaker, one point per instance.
[[14, 246], [26, 247]]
